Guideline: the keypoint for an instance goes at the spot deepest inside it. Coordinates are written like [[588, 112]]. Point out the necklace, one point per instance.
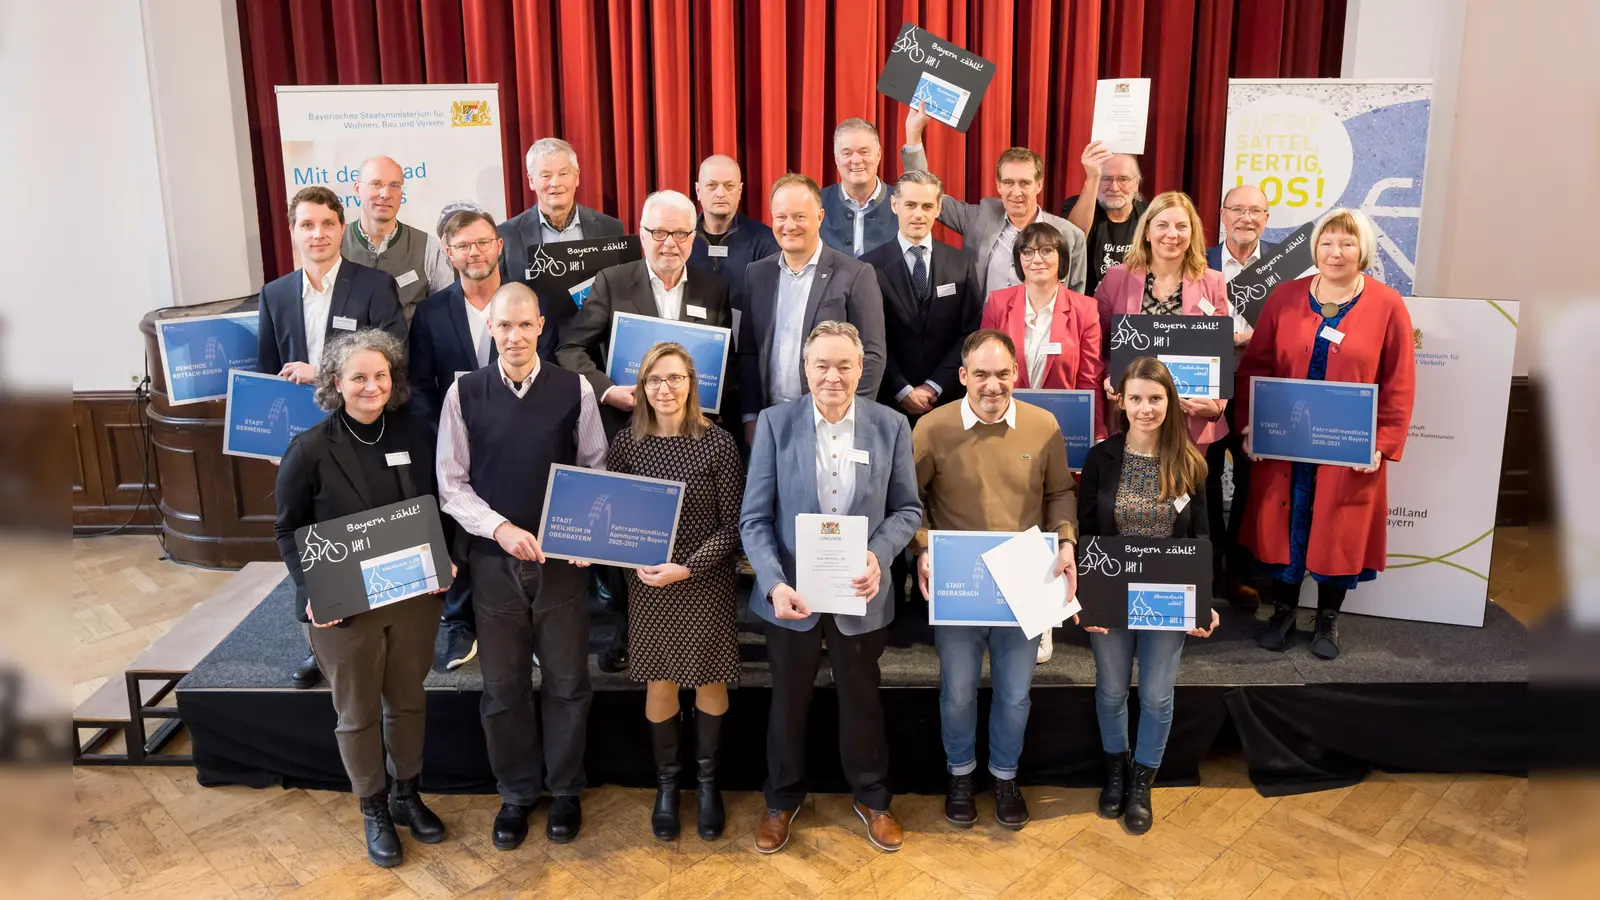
[[383, 422], [1331, 309]]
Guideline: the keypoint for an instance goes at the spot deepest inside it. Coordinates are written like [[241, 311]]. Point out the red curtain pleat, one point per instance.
[[644, 89]]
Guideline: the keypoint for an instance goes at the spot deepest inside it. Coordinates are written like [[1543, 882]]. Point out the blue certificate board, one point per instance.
[[1074, 411], [1148, 583], [264, 414], [372, 558], [1331, 423], [963, 593], [607, 518], [197, 352], [632, 336]]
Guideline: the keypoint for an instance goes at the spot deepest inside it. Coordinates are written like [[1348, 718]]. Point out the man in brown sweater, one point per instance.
[[988, 463]]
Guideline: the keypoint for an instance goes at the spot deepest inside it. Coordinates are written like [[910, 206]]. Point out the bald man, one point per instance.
[[1244, 217], [380, 240], [1107, 209], [725, 240]]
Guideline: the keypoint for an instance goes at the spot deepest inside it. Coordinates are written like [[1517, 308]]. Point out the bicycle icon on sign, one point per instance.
[[1128, 336], [908, 45], [319, 547], [1096, 560], [543, 264]]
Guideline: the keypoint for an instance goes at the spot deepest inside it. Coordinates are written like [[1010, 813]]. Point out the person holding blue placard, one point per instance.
[[1147, 480], [681, 617], [1329, 522]]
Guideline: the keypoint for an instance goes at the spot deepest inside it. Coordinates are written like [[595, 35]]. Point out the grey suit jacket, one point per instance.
[[843, 289], [522, 231], [980, 223], [782, 483]]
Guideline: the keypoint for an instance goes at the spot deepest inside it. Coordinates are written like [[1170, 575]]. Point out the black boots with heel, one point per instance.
[[664, 740], [708, 800]]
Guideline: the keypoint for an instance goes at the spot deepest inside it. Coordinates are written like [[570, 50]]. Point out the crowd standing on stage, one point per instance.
[[872, 373]]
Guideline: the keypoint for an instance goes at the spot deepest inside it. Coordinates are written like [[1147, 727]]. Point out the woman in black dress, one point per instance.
[[681, 614]]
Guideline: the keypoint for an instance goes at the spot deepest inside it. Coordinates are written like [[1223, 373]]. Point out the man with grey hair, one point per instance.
[[1107, 209], [380, 240], [556, 214], [856, 217]]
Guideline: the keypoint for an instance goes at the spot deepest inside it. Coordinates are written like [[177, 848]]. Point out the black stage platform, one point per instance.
[[1403, 696]]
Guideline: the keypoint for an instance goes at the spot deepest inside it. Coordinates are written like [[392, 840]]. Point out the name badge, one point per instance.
[[1052, 348], [1179, 503], [1332, 334], [945, 290], [344, 323], [717, 251], [858, 456], [403, 458], [696, 312], [1207, 307], [408, 278]]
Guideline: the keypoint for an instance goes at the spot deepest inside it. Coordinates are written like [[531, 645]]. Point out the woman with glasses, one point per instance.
[[681, 613]]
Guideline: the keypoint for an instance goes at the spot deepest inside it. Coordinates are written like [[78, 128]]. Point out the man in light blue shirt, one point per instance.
[[789, 329]]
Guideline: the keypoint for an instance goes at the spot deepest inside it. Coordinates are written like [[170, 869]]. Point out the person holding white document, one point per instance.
[[828, 453], [1148, 480], [989, 463]]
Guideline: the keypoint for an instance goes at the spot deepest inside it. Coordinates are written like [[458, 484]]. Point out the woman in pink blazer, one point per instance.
[[1164, 273], [1066, 354]]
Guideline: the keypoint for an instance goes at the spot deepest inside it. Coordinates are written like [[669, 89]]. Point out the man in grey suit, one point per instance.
[[834, 452], [989, 227], [787, 294]]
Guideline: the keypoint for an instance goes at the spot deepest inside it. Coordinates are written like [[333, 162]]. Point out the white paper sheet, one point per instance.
[[1021, 570], [830, 552], [1121, 114]]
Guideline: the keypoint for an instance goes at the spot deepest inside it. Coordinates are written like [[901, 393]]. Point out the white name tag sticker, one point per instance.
[[1332, 334], [859, 456], [408, 278], [717, 251], [696, 312], [1207, 307], [1052, 348], [1179, 503], [403, 458], [344, 323], [945, 290]]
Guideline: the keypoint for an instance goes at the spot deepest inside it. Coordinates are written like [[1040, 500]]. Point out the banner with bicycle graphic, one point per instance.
[[1148, 583], [198, 351], [1197, 350], [373, 558], [562, 274], [1313, 145], [948, 81]]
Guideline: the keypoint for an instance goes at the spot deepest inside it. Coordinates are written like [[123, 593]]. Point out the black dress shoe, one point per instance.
[[613, 659], [1010, 809], [383, 845], [460, 648], [406, 808], [1279, 629], [1137, 817], [511, 826], [306, 675], [1325, 635], [1113, 794], [566, 819], [959, 808]]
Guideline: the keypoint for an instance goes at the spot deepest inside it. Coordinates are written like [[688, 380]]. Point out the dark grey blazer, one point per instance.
[[360, 293], [522, 230]]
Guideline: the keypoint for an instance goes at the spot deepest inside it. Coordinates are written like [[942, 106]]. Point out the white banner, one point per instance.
[[1443, 492], [445, 137]]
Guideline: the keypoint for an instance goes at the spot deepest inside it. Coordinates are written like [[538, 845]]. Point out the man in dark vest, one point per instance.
[[380, 240], [501, 429]]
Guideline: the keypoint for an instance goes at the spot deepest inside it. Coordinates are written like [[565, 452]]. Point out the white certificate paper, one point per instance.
[[830, 552], [1121, 113], [1021, 570]]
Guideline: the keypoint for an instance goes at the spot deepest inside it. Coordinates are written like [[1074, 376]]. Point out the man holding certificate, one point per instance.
[[827, 471], [989, 463]]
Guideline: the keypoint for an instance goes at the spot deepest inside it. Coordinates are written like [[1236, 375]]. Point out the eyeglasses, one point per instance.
[[482, 246], [1248, 212], [659, 236], [1118, 180], [654, 382], [1038, 253], [391, 185]]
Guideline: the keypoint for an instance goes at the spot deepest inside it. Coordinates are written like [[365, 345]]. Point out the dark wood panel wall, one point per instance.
[[114, 479]]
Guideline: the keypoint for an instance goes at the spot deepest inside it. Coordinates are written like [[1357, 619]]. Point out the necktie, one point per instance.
[[919, 277]]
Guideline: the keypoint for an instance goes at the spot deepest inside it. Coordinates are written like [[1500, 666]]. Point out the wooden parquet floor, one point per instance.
[[155, 833]]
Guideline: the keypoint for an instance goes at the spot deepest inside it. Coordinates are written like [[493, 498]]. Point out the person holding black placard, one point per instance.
[[1147, 480], [368, 453]]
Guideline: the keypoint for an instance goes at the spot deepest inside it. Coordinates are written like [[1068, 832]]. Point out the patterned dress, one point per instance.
[[1171, 305], [685, 632], [1139, 510]]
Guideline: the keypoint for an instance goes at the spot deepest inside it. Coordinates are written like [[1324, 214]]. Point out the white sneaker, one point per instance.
[[1046, 648]]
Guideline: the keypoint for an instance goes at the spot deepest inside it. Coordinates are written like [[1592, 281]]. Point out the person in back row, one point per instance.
[[858, 218], [1107, 209], [379, 239]]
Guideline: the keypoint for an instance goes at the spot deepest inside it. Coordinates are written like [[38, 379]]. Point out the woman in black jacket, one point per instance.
[[1147, 480], [368, 453]]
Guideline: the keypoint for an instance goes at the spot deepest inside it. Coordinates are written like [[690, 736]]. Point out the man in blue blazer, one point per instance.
[[832, 452]]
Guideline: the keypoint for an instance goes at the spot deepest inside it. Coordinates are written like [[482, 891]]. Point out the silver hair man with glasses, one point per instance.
[[556, 214], [380, 240], [1107, 209]]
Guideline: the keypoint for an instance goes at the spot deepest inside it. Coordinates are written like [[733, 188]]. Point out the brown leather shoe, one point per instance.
[[882, 829], [773, 831]]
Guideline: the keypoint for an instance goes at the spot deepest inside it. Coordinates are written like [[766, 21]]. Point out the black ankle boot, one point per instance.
[[1112, 795], [1280, 628], [406, 808], [383, 845], [1137, 815], [1325, 636], [664, 741], [708, 751]]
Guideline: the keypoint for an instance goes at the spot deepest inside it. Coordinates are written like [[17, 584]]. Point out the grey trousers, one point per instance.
[[375, 666], [525, 608]]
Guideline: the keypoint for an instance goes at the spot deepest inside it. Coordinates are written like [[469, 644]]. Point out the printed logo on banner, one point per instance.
[[469, 113], [1416, 338]]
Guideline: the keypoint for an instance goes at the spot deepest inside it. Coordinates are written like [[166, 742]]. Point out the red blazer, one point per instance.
[[1075, 327], [1349, 519], [1121, 293]]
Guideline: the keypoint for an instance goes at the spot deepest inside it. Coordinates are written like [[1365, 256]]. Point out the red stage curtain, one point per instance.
[[644, 89]]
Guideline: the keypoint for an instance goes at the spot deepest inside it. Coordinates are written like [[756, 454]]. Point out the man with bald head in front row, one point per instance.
[[379, 239]]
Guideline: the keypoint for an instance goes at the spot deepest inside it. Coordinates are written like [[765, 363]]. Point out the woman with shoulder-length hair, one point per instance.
[[369, 452], [1329, 522], [1147, 480], [681, 619]]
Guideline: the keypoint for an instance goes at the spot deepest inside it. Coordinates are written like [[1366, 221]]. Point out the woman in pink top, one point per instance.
[[1057, 331]]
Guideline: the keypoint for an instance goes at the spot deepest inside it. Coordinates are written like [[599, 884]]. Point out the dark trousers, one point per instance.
[[1224, 526], [458, 600], [525, 608], [793, 657]]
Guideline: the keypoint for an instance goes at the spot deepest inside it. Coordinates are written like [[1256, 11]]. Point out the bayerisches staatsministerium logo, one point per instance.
[[469, 112], [830, 527], [1416, 338]]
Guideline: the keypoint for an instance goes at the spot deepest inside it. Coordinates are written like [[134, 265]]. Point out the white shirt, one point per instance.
[[969, 416], [478, 325], [1230, 270], [315, 306], [911, 263], [836, 471], [1038, 336], [860, 217], [668, 302]]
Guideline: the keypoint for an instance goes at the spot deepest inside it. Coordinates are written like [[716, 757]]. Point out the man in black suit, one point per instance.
[[299, 313]]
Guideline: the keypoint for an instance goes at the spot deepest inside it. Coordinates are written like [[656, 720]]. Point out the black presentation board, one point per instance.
[[1133, 336], [554, 270], [925, 68], [1109, 566], [1284, 261], [359, 562]]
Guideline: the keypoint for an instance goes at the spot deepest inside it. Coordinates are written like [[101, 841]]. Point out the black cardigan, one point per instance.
[[1097, 494]]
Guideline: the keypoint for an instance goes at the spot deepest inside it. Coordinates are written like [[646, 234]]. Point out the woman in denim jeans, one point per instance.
[[1147, 480]]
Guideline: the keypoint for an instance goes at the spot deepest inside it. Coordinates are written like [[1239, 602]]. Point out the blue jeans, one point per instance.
[[1012, 659], [1159, 653]]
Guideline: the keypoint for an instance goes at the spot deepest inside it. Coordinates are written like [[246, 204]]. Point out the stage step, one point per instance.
[[156, 671]]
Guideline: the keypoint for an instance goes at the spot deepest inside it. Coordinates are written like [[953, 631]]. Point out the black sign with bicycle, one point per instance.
[[1129, 582], [373, 558], [562, 273], [949, 81], [1198, 351], [1284, 261]]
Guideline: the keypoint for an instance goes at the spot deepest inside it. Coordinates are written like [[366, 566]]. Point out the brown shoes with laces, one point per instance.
[[882, 829], [773, 832]]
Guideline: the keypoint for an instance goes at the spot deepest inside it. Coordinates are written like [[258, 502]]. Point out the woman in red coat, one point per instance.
[[1056, 330], [1329, 522]]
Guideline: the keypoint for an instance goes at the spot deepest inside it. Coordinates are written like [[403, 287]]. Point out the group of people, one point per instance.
[[873, 375]]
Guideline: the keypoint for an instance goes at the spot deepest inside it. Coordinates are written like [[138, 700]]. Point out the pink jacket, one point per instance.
[[1075, 327]]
